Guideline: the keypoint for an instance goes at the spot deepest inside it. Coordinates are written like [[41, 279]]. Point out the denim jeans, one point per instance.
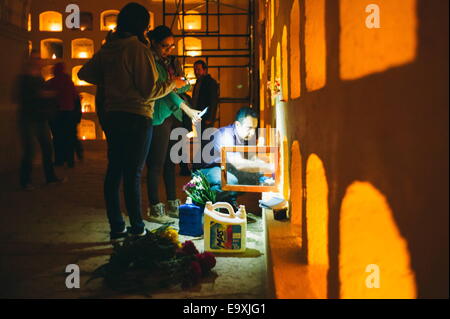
[[159, 161], [128, 137]]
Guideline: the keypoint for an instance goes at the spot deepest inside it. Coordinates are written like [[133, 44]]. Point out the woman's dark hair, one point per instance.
[[133, 18], [159, 33]]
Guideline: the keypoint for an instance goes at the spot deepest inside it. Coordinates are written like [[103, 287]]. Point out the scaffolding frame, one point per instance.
[[246, 52]]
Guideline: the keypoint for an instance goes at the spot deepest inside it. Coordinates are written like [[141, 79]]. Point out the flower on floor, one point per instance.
[[199, 189], [154, 261]]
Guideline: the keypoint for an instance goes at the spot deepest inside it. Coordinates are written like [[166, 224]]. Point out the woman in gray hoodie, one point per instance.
[[125, 69]]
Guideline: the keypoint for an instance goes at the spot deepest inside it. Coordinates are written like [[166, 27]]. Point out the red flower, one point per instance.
[[206, 260], [189, 248], [196, 272]]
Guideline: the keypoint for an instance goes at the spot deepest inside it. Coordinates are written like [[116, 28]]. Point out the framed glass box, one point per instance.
[[250, 168]]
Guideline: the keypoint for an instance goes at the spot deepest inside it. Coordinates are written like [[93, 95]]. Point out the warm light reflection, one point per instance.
[[315, 44], [75, 78], [364, 50], [192, 46], [191, 22], [317, 221], [294, 52], [369, 236], [51, 49], [47, 72], [87, 102], [86, 130], [82, 48], [108, 20], [50, 21], [190, 74]]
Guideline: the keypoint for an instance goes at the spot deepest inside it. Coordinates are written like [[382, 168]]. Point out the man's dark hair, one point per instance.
[[159, 33], [244, 112], [133, 18], [202, 63]]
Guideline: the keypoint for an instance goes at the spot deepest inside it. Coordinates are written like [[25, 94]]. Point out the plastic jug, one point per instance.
[[190, 219], [224, 232]]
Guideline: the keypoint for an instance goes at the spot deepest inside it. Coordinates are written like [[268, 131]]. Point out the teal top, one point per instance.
[[170, 104]]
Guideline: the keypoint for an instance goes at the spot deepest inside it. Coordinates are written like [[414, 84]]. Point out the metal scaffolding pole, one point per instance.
[[209, 13]]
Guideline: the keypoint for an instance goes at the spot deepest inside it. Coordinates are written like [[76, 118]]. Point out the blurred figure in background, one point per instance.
[[64, 125], [35, 108]]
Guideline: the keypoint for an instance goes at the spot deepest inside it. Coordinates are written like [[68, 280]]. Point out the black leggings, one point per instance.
[[158, 161]]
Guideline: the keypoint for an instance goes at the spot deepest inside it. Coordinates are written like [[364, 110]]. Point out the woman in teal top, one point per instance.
[[167, 116]]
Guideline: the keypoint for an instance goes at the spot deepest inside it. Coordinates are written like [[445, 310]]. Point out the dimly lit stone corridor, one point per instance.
[[45, 230], [353, 95]]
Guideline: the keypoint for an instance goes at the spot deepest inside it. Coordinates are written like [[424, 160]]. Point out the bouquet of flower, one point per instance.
[[199, 189], [155, 261]]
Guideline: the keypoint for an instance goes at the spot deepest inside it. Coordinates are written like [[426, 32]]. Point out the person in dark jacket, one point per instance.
[[126, 71], [205, 94], [35, 107]]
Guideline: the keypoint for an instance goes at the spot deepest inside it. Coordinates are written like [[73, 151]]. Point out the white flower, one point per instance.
[[200, 187], [197, 179]]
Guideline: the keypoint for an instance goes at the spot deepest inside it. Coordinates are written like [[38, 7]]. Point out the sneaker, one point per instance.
[[173, 208], [115, 236], [136, 236], [157, 214]]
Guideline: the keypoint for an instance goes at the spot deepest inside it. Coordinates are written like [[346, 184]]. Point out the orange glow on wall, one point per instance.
[[50, 21], [364, 50], [51, 49], [108, 20], [47, 72], [75, 78], [315, 44], [189, 73], [317, 222], [296, 197], [295, 71], [87, 102], [191, 23], [272, 18], [373, 252], [82, 48], [285, 66], [86, 130], [192, 46], [272, 79]]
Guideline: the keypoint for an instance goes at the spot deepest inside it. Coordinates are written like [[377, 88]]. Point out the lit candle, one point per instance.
[[55, 27], [111, 26], [83, 55], [54, 56]]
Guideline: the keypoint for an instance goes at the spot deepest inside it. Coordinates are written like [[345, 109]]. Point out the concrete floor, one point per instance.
[[45, 230]]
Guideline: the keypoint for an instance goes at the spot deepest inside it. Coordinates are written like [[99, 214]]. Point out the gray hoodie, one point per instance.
[[126, 69]]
